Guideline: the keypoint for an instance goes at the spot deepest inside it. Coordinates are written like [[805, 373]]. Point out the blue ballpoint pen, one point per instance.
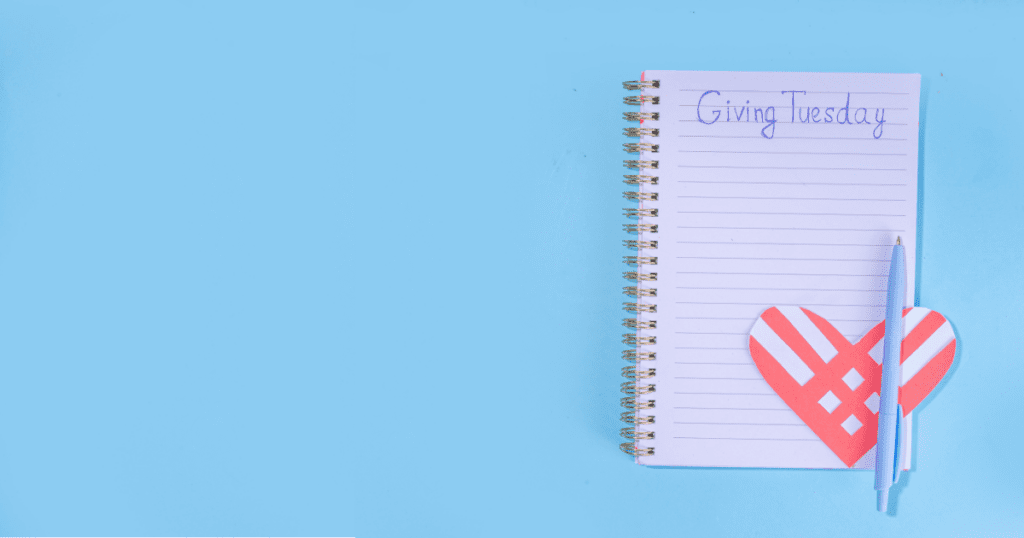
[[890, 413]]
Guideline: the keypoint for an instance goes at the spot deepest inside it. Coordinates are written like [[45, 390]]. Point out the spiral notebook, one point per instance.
[[754, 190]]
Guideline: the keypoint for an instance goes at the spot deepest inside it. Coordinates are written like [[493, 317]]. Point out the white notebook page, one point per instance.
[[754, 214]]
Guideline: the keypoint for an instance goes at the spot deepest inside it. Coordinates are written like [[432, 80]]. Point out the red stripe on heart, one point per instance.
[[924, 329], [921, 385]]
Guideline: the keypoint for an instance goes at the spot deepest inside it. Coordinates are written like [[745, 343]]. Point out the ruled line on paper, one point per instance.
[[744, 439], [705, 332], [738, 424], [791, 214], [798, 198], [809, 92], [772, 289], [706, 348], [796, 183], [802, 304], [777, 274], [727, 393], [781, 259], [865, 138], [787, 244], [735, 408], [791, 229], [793, 168], [717, 363], [772, 395], [703, 317], [792, 153], [722, 378]]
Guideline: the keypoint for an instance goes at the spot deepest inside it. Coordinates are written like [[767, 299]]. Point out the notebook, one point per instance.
[[754, 190]]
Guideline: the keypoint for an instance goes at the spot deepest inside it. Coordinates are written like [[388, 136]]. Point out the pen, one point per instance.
[[890, 413]]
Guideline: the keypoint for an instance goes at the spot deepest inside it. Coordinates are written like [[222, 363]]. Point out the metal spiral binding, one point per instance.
[[633, 147], [637, 132], [640, 179], [633, 388], [640, 116], [631, 372], [640, 84], [637, 245], [631, 339], [637, 261], [640, 292], [633, 212], [632, 323], [640, 307], [636, 276], [640, 99], [640, 165], [634, 196], [633, 355], [638, 228]]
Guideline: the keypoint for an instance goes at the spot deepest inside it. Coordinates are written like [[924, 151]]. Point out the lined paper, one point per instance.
[[755, 213]]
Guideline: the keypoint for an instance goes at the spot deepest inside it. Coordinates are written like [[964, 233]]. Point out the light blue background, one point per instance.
[[334, 268]]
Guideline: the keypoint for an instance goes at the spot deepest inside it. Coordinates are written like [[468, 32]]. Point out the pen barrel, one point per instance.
[[895, 299], [885, 453]]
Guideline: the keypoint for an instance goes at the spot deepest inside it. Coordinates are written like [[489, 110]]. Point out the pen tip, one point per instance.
[[898, 240]]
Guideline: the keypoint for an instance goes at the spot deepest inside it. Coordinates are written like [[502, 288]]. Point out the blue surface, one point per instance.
[[347, 269]]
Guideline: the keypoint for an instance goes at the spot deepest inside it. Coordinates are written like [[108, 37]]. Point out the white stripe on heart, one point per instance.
[[876, 351], [810, 332], [781, 352], [927, 351]]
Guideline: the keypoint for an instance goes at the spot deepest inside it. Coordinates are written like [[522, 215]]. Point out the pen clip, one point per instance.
[[898, 450]]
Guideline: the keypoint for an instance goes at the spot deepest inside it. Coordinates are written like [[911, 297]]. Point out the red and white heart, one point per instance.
[[833, 384]]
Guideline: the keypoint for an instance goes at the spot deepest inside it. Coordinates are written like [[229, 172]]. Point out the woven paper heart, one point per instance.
[[832, 384]]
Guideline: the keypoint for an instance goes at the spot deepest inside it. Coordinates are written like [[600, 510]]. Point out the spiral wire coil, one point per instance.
[[635, 341]]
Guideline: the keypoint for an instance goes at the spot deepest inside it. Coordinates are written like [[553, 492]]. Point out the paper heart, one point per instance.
[[832, 384]]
